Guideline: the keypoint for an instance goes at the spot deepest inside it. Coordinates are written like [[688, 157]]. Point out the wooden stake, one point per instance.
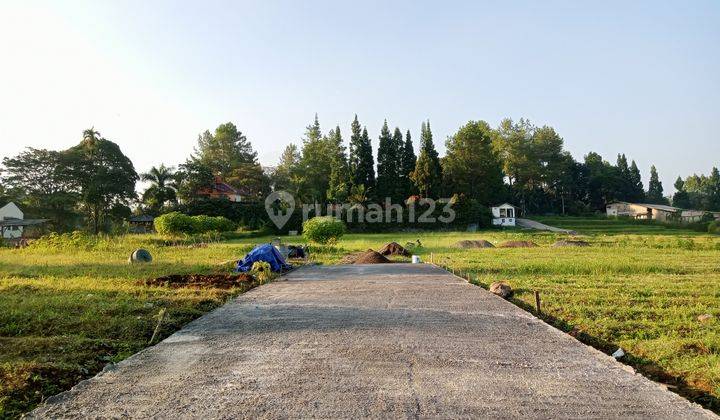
[[161, 316], [537, 302]]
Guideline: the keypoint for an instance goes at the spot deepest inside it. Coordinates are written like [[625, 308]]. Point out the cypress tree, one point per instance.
[[655, 188], [339, 184], [638, 191], [356, 146], [427, 175], [387, 169], [407, 166], [681, 198]]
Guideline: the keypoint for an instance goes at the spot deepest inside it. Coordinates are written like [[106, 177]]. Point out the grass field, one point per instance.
[[66, 312]]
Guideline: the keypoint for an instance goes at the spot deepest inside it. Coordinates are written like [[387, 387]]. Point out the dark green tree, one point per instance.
[[191, 177], [471, 165], [339, 185], [681, 198], [315, 164], [361, 162], [106, 178], [286, 174], [655, 188], [43, 184], [427, 175], [387, 165], [637, 190], [407, 166]]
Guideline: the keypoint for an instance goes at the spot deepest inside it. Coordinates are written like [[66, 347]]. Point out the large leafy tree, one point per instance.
[[427, 175], [387, 165], [471, 166], [43, 183], [106, 178], [655, 188], [228, 153], [162, 188], [407, 166]]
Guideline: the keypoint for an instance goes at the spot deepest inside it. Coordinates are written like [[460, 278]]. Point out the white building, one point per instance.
[[10, 211], [504, 214]]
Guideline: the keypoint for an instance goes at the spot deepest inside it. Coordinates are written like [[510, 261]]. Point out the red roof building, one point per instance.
[[220, 189]]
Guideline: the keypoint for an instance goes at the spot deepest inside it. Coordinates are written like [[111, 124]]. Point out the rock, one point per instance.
[[618, 353], [704, 317], [501, 289], [140, 256]]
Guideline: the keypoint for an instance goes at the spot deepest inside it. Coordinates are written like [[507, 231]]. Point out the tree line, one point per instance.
[[94, 183]]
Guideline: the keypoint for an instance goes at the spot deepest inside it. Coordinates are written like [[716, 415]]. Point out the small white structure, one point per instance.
[[504, 215], [10, 211]]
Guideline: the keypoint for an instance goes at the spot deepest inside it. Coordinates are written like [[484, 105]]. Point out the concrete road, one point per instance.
[[393, 340]]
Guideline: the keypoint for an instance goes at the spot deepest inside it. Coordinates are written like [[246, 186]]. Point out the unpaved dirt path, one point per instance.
[[388, 340]]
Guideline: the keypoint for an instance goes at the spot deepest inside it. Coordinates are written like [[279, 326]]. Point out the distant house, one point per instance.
[[9, 213], [141, 224], [504, 214], [219, 189], [658, 212]]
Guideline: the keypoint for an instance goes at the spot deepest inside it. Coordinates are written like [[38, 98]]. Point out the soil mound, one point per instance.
[[482, 243], [570, 243], [201, 281], [518, 244], [371, 257], [501, 289], [394, 248]]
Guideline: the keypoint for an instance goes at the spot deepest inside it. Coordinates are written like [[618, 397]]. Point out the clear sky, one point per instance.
[[641, 78]]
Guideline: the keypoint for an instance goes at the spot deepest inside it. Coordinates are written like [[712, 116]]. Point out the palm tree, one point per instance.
[[162, 189]]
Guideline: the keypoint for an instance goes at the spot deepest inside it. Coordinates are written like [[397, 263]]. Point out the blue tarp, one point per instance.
[[264, 252]]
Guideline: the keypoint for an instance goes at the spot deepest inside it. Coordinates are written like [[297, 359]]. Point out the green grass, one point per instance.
[[65, 313]]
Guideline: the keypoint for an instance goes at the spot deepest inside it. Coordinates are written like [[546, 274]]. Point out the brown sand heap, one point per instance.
[[566, 242], [466, 244], [518, 244], [394, 248], [371, 257], [201, 281]]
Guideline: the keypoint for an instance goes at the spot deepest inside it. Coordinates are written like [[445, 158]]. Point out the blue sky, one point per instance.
[[640, 78]]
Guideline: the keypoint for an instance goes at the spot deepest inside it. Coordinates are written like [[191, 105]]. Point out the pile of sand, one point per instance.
[[482, 243], [394, 248], [518, 244], [565, 242], [201, 281], [371, 257]]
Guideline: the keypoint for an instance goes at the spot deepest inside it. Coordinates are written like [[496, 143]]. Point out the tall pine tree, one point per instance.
[[360, 161], [638, 191], [387, 169], [407, 166], [315, 164], [339, 185], [655, 188], [427, 175]]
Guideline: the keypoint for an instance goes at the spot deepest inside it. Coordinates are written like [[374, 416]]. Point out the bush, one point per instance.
[[176, 223], [714, 227], [323, 230]]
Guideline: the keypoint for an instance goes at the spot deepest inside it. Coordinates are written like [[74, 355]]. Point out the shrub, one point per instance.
[[714, 227], [323, 230], [174, 223]]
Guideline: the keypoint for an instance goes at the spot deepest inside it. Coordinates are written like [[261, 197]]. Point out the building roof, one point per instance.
[[21, 222], [141, 218], [507, 205], [662, 207]]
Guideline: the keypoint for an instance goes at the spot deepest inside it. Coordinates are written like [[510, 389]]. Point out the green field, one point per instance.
[[67, 311]]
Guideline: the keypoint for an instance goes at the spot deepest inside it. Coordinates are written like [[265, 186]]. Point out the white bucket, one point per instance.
[[416, 259]]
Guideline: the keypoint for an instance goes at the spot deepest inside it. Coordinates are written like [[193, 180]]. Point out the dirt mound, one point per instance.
[[371, 257], [501, 289], [201, 281], [394, 248], [518, 244], [570, 243], [482, 243]]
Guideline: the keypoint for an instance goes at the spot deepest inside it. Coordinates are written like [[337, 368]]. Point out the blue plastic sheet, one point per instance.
[[264, 252]]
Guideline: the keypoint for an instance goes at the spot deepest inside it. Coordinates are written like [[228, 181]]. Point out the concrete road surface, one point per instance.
[[393, 340]]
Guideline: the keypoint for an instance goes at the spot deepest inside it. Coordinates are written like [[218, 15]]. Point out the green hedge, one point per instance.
[[177, 223]]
